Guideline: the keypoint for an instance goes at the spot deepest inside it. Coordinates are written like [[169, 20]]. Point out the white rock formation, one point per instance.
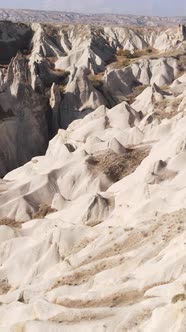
[[111, 255], [92, 234]]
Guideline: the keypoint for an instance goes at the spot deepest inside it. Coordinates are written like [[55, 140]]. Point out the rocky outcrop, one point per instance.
[[64, 72], [92, 232], [105, 250], [182, 32], [24, 130], [43, 43], [79, 98], [151, 96], [122, 82], [13, 38]]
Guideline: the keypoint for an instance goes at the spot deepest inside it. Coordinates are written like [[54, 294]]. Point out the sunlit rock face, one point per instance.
[[93, 223], [51, 75], [92, 234]]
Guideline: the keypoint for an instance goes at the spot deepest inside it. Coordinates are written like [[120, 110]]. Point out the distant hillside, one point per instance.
[[66, 17]]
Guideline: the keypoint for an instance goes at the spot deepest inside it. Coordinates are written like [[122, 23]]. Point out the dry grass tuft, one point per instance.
[[160, 109], [10, 222], [4, 287], [125, 58], [61, 88], [136, 54], [43, 210], [122, 63], [117, 166], [136, 92], [96, 80]]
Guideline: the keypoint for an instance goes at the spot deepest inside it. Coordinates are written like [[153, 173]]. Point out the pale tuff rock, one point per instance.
[[84, 57], [146, 101], [121, 82], [42, 44], [80, 97], [170, 38], [161, 71], [126, 38], [108, 259], [178, 86], [77, 60], [92, 234]]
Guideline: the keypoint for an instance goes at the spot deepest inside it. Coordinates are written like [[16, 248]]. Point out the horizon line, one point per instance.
[[93, 13]]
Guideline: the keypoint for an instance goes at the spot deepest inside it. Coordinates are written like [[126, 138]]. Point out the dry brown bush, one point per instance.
[[160, 109], [123, 63], [61, 88], [4, 287], [136, 92], [125, 53], [116, 166], [10, 222], [136, 54], [43, 210], [96, 80]]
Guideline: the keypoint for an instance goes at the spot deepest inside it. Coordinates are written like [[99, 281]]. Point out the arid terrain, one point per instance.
[[28, 15], [93, 178]]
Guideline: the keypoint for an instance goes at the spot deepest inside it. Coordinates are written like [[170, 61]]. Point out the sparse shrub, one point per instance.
[[125, 53], [9, 222], [62, 72], [91, 160], [115, 166], [136, 92], [125, 63], [43, 210], [61, 88], [122, 52], [4, 287], [149, 50], [96, 81], [97, 84], [121, 63], [160, 107], [26, 52], [136, 54]]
